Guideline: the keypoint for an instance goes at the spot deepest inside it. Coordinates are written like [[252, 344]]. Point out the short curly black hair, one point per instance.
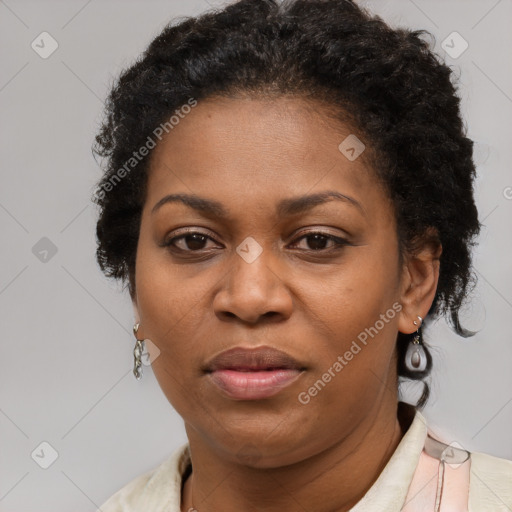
[[387, 82]]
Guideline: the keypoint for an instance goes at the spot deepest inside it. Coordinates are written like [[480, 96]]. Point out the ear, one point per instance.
[[420, 276]]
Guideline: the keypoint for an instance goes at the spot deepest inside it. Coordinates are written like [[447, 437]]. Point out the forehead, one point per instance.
[[258, 149]]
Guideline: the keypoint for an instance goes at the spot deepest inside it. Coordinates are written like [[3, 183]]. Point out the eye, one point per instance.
[[191, 241], [318, 240], [195, 241]]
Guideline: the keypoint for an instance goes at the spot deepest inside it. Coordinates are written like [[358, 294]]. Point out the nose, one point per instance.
[[253, 291]]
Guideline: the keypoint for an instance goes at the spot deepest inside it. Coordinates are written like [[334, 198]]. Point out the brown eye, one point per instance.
[[318, 241], [192, 241], [195, 241]]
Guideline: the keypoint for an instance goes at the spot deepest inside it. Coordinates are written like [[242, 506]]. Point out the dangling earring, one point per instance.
[[415, 357], [137, 354]]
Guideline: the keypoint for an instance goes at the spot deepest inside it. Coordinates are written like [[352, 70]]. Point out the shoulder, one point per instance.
[[156, 490], [490, 483]]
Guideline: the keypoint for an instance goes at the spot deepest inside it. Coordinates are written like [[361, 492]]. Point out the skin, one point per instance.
[[249, 154]]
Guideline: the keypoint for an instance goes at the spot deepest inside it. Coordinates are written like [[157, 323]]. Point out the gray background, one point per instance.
[[66, 347]]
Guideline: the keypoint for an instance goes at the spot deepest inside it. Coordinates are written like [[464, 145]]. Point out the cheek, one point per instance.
[[163, 294], [166, 307], [355, 314], [353, 294]]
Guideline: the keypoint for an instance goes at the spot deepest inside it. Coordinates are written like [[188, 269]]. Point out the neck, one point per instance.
[[343, 472]]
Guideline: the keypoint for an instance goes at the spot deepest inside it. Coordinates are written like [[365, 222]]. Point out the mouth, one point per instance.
[[252, 374]]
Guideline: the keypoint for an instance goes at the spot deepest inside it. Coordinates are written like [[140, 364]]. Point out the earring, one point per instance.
[[137, 354], [415, 357]]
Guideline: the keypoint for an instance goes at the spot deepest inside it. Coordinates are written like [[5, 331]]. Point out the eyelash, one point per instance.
[[338, 241]]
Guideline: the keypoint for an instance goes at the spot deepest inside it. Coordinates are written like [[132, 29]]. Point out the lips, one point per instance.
[[252, 374], [255, 359]]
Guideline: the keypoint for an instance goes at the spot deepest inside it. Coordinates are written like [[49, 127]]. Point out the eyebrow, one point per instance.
[[285, 207]]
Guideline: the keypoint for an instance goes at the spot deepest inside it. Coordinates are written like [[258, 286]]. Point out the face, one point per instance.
[[321, 282]]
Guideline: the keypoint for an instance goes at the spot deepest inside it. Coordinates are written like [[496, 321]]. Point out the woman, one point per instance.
[[289, 197]]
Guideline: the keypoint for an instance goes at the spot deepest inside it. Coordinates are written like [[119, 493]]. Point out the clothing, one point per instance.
[[407, 483]]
